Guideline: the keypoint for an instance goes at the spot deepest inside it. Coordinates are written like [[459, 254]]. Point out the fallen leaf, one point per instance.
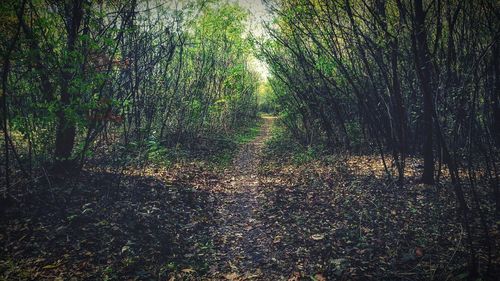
[[188, 270], [232, 276], [419, 252], [277, 239], [232, 266], [125, 248], [250, 275], [319, 277], [317, 237], [295, 276], [51, 266]]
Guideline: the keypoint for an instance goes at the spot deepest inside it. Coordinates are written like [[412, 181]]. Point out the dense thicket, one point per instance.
[[415, 79], [129, 72], [406, 78]]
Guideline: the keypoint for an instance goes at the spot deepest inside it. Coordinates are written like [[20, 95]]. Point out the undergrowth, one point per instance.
[[283, 145], [217, 151]]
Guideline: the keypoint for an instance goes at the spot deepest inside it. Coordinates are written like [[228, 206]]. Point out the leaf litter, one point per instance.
[[262, 218]]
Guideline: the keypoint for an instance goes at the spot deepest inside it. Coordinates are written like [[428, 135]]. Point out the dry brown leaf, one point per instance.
[[319, 277], [250, 275], [277, 239], [295, 276], [51, 266], [232, 266], [188, 270], [317, 237], [419, 252], [233, 276]]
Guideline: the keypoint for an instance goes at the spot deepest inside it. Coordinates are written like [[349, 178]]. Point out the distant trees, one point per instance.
[[405, 77], [75, 72]]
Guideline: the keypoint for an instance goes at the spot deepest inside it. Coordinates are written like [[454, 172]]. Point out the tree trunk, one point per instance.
[[423, 68], [66, 127], [496, 93]]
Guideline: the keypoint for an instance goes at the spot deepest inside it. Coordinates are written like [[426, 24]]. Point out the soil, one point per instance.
[[261, 218]]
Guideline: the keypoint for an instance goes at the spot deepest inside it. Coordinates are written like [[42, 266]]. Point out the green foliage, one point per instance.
[[266, 100], [390, 76], [248, 133], [282, 145], [355, 134], [172, 75], [223, 158], [158, 154], [305, 156]]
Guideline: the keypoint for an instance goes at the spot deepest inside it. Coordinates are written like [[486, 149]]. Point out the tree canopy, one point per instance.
[[377, 120]]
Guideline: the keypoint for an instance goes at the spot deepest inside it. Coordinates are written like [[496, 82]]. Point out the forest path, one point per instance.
[[241, 243]]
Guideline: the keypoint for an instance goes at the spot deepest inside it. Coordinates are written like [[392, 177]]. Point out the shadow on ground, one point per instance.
[[106, 226]]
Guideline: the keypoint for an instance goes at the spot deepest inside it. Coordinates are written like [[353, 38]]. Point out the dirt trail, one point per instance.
[[240, 240]]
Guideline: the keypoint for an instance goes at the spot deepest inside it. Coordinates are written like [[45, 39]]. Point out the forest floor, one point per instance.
[[263, 217]]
